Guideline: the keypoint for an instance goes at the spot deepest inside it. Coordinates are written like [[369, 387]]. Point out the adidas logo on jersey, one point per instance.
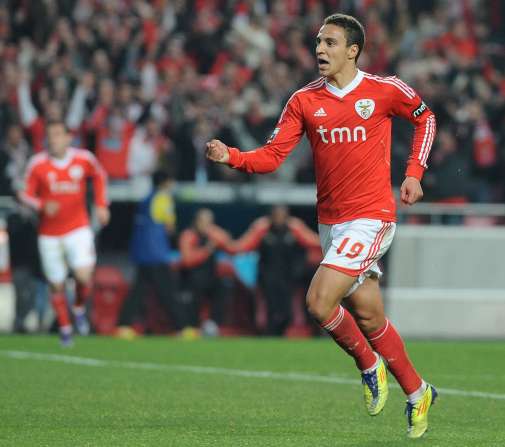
[[320, 112]]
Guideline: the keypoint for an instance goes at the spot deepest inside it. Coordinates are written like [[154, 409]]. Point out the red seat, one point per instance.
[[110, 290]]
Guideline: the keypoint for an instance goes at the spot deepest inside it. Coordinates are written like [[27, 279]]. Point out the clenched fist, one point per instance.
[[411, 191], [217, 151]]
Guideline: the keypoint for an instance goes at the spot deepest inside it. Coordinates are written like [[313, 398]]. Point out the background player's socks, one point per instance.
[[59, 303], [81, 321], [66, 336], [388, 343], [343, 329], [82, 293]]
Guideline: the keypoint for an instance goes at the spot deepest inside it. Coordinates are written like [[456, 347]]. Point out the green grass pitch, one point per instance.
[[235, 392]]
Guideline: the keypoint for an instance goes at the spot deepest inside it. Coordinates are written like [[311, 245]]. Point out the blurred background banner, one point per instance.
[[144, 84]]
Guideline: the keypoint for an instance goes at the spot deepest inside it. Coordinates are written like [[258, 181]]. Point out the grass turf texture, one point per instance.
[[48, 402]]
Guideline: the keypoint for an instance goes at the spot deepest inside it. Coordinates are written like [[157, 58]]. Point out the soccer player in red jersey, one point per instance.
[[55, 187], [346, 115]]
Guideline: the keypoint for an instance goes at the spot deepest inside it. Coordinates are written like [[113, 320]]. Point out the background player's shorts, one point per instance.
[[75, 249], [354, 247]]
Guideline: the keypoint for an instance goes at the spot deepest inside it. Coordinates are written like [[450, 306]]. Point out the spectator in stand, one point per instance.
[[279, 238], [34, 123], [448, 180], [147, 146], [153, 227], [198, 246], [27, 277], [228, 65], [14, 153]]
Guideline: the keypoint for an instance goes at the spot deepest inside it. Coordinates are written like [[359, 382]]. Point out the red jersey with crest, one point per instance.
[[349, 131], [63, 181]]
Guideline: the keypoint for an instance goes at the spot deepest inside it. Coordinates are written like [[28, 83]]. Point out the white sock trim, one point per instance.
[[375, 365], [79, 310], [417, 394], [382, 333], [67, 329], [336, 321]]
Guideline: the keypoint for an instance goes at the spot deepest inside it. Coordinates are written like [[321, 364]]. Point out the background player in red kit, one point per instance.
[[346, 115], [56, 188]]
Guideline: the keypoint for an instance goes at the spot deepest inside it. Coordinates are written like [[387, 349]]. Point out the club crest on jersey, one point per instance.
[[75, 172], [364, 107]]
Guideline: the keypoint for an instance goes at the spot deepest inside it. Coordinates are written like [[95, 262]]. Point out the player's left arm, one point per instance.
[[220, 237], [303, 234], [99, 178], [409, 105], [252, 238]]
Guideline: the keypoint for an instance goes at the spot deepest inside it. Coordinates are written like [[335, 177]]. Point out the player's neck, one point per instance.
[[60, 155], [343, 77]]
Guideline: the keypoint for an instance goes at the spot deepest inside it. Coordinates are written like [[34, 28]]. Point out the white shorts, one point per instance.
[[355, 247], [75, 250]]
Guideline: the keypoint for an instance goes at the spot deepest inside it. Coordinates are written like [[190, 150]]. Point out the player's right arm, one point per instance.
[[193, 255], [252, 238], [269, 157], [30, 195]]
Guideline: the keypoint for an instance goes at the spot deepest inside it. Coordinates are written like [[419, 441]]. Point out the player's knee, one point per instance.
[[370, 322], [320, 303], [57, 287], [84, 277]]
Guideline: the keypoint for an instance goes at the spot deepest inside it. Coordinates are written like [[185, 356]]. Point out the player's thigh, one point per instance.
[[80, 252], [52, 258], [367, 306], [356, 246], [327, 289]]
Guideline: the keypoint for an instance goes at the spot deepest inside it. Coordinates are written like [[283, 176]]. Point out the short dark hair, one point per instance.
[[161, 176], [354, 30]]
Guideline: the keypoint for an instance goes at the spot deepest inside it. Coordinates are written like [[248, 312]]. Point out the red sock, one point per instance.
[[82, 293], [60, 309], [344, 330], [388, 343]]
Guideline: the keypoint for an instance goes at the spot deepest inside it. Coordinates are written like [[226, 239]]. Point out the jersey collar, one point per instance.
[[341, 92], [62, 163]]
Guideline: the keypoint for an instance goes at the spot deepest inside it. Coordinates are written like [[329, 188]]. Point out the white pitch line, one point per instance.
[[294, 376]]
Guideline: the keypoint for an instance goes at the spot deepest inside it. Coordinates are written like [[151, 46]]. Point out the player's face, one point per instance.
[[332, 51], [58, 140], [204, 219], [279, 216]]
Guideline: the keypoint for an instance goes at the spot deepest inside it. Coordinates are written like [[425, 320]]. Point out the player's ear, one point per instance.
[[352, 51]]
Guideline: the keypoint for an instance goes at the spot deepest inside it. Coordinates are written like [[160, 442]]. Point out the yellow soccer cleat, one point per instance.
[[375, 388], [417, 413]]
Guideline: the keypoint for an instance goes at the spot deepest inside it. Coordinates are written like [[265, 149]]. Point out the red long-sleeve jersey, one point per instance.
[[63, 181], [193, 252], [252, 238], [349, 131]]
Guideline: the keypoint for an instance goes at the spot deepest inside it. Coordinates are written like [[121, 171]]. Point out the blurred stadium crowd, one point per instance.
[[144, 84]]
